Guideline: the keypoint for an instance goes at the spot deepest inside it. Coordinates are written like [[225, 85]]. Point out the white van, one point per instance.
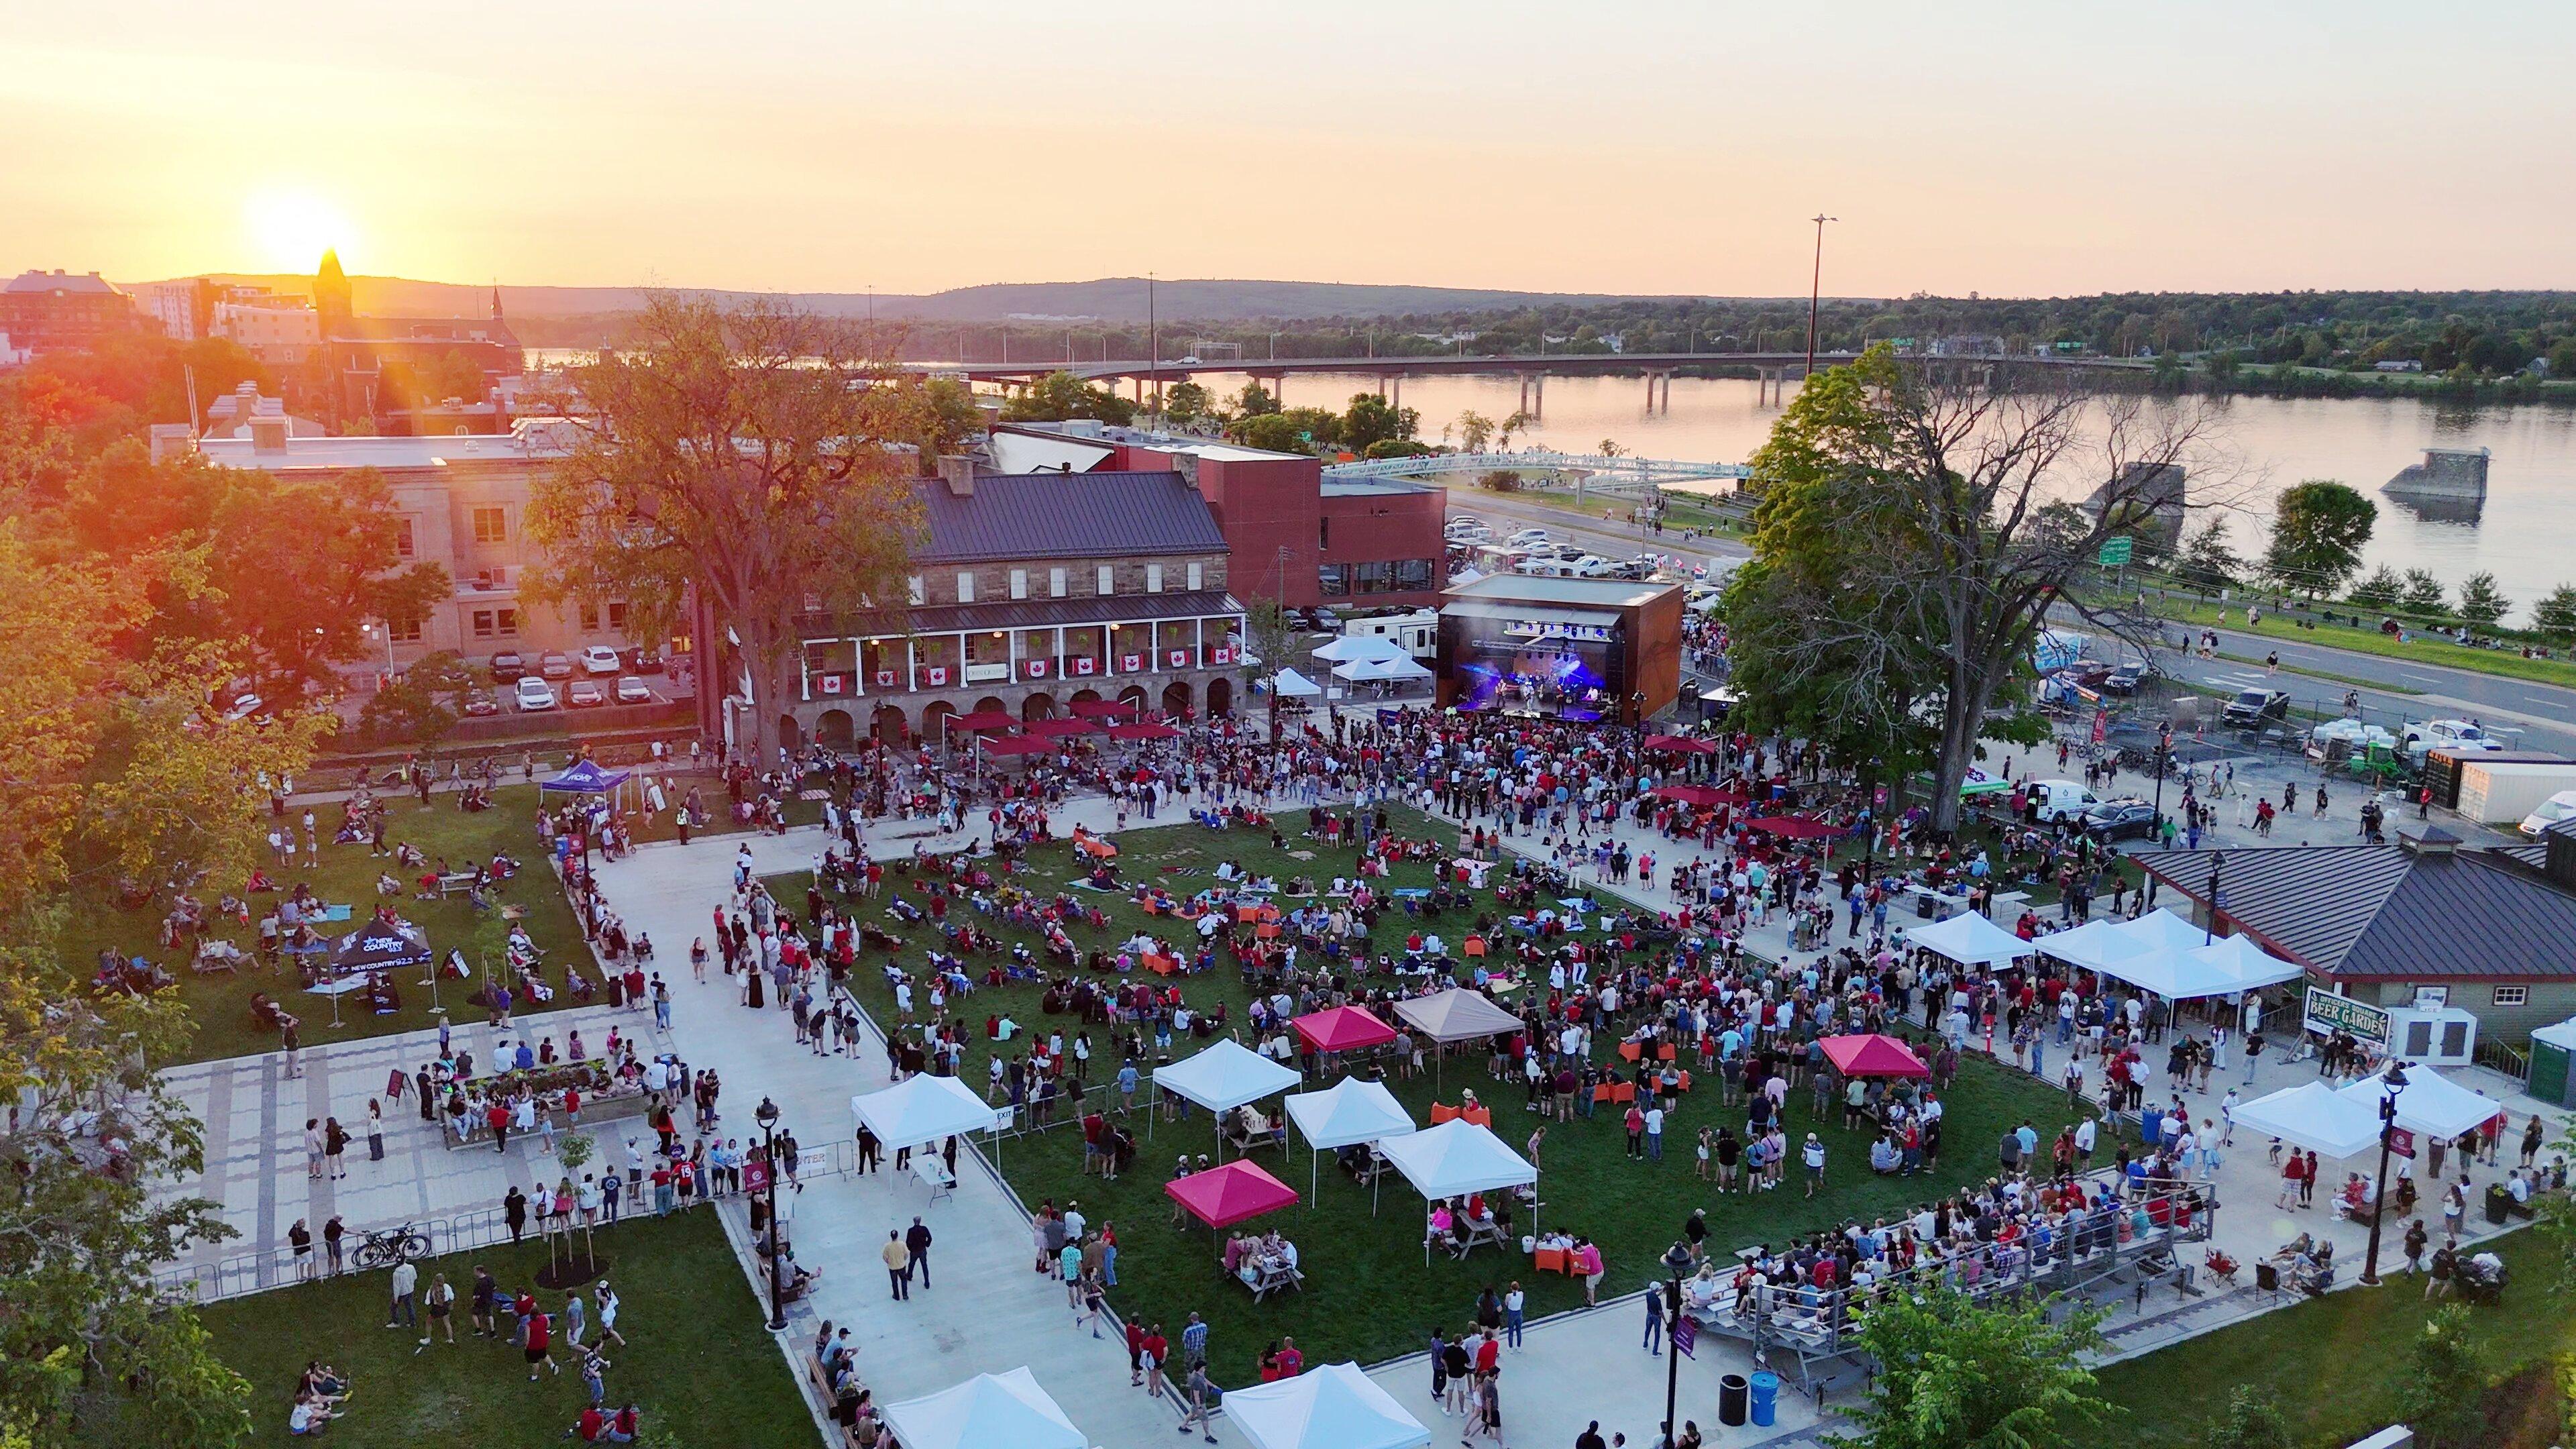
[[2060, 799], [2557, 807]]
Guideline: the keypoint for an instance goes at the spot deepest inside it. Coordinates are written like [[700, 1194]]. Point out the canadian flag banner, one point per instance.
[[1221, 654], [938, 674], [1037, 668], [1179, 658], [1085, 664], [885, 679], [832, 683], [1131, 663]]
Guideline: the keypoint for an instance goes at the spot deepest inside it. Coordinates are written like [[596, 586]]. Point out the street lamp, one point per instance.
[[766, 1114], [2392, 1082], [2163, 762], [1677, 1258], [2209, 932], [1815, 288]]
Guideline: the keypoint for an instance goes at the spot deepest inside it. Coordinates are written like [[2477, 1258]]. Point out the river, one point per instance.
[[2526, 535]]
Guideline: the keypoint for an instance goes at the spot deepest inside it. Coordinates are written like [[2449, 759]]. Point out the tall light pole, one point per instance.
[[1676, 1259], [2391, 1083], [1153, 348], [1816, 288], [766, 1114], [2209, 933]]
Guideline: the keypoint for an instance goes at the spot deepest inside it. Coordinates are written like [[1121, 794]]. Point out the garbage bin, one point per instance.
[[1766, 1398], [1731, 1393], [2499, 1203]]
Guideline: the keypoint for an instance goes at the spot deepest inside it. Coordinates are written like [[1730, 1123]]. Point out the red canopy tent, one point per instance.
[[1101, 708], [1873, 1056], [1147, 731], [1018, 745], [1680, 744], [1063, 725], [992, 721], [1342, 1029], [1792, 827], [1224, 1196], [1701, 795]]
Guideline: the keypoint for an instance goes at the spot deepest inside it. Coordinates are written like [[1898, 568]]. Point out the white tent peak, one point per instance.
[[1333, 1407], [1352, 1110], [988, 1411], [923, 1108], [1226, 1075]]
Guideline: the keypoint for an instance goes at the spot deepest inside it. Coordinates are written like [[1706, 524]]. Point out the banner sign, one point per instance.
[[1221, 654], [1131, 663], [1177, 658], [1085, 664], [885, 679], [938, 676], [2329, 1013], [1037, 668], [834, 684]]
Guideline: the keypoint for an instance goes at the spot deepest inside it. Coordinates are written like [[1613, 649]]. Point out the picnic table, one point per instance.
[[456, 882], [1486, 1232], [1270, 1277]]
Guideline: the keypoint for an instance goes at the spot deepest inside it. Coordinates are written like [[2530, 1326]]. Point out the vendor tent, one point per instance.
[[1102, 708], [988, 1411], [1873, 1056], [2161, 929], [1017, 745], [1224, 1196], [2429, 1103], [2097, 945], [1371, 671], [1355, 647], [1794, 827], [992, 721], [1342, 1029], [2311, 1115], [922, 1109], [1346, 1114], [1681, 744], [2250, 965], [1289, 684], [585, 777], [1969, 939], [377, 946], [1063, 725], [1143, 732], [1223, 1077], [1333, 1407], [1456, 1015], [1700, 795], [1454, 1159]]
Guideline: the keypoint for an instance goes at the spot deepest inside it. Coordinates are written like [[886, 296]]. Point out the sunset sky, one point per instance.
[[2005, 149]]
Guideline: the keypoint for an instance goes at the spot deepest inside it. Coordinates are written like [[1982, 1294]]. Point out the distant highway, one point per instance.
[[1561, 364]]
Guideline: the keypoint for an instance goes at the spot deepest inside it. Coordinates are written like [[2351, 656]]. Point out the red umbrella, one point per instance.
[[1702, 795], [1792, 827], [1873, 1056], [1101, 708], [987, 720], [1019, 745], [1062, 726], [1681, 745], [1146, 731], [1224, 1196], [1342, 1029]]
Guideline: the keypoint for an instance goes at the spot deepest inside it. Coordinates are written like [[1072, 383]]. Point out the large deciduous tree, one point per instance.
[[747, 453], [2318, 530], [1917, 527], [1954, 1373]]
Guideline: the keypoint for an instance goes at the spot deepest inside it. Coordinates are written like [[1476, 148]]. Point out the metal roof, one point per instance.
[[1065, 515], [2383, 912], [1546, 589], [1049, 613]]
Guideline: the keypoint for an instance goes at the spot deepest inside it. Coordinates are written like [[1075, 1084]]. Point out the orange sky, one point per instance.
[[2005, 149]]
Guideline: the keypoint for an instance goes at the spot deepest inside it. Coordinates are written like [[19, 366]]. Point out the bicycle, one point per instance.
[[386, 1247]]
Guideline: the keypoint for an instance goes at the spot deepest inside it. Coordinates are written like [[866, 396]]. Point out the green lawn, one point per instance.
[[2335, 1362], [347, 876], [1369, 1295], [2507, 662], [697, 1354]]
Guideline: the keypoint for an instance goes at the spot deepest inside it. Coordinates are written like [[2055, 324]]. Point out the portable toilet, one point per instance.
[[2553, 1060]]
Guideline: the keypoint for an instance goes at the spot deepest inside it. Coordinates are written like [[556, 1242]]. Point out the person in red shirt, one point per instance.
[[540, 1349], [1157, 1348], [592, 1424], [1291, 1362], [497, 1117], [1135, 1352]]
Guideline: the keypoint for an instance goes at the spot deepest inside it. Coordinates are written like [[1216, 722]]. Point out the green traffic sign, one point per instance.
[[2116, 552]]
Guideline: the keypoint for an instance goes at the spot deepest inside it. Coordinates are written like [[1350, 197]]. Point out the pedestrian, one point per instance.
[[514, 1212], [1654, 1343], [313, 1148], [898, 1263], [540, 1350], [375, 1130], [442, 1309], [1196, 1392], [2416, 1238], [916, 1242], [2437, 1284], [1814, 1153], [332, 1232], [486, 1294], [1514, 1304], [401, 1314]]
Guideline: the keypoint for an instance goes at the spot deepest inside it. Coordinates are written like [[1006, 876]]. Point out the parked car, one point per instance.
[[554, 665], [2126, 679], [508, 665], [583, 693], [2090, 673], [1592, 566], [601, 659], [643, 660], [2060, 799], [631, 690], [2252, 709], [534, 693], [2120, 820], [1527, 538], [480, 702]]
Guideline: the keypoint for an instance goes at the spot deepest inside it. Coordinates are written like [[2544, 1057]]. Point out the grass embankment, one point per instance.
[[1369, 1294], [2508, 663], [697, 1353], [2335, 1363]]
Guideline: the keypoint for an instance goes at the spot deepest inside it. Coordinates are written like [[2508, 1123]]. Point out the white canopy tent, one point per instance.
[[988, 1411], [923, 1109], [1289, 684], [2097, 945], [2251, 965], [1970, 939], [2163, 953], [2161, 929], [1333, 1407], [1349, 1112], [2430, 1103], [1369, 671], [1223, 1077], [1351, 648], [2312, 1115], [1455, 1159]]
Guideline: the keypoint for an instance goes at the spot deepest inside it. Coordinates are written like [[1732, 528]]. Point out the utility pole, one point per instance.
[[1153, 347], [1815, 289]]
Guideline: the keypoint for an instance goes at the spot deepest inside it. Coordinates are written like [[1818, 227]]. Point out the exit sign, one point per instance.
[[2116, 552]]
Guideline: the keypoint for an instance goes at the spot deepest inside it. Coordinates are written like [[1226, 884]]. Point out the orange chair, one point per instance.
[[1664, 1053], [1685, 1081], [1266, 931], [1623, 1092], [1628, 1051], [1441, 1112], [1604, 1093], [1550, 1260], [1481, 1116], [1475, 947]]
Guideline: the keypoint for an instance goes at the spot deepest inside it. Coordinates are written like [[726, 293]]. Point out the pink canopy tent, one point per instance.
[[1063, 725], [1147, 731], [1702, 795], [1680, 744], [1342, 1029], [1224, 1196], [1791, 827], [1101, 708], [1873, 1056], [1019, 745]]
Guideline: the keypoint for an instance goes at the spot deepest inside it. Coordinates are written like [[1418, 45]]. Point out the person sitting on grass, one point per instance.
[[310, 1414]]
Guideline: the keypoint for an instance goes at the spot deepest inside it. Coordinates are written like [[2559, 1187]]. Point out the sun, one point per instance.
[[291, 229]]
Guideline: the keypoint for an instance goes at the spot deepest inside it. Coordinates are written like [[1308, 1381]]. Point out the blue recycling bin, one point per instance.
[[1766, 1398]]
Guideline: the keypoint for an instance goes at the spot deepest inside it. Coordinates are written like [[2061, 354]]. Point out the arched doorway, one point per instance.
[[888, 724], [1220, 697], [791, 735], [934, 722], [835, 728], [1037, 707], [989, 705], [1176, 699], [1085, 696], [1133, 694]]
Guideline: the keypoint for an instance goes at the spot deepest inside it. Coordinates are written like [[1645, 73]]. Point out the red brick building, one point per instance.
[[58, 311]]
